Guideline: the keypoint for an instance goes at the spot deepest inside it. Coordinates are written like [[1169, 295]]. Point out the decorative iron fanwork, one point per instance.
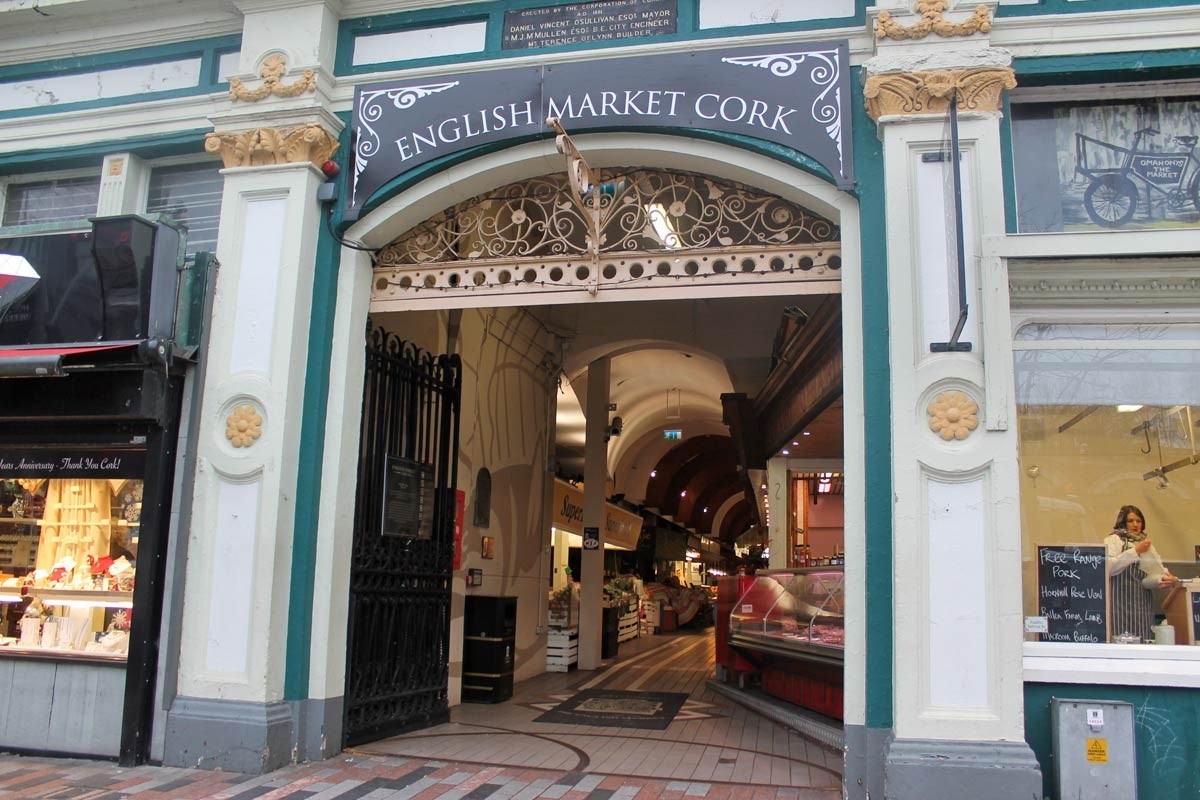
[[399, 620], [639, 211]]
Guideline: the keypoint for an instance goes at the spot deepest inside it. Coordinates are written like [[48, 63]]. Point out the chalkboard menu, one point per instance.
[[1195, 616], [577, 23], [1073, 592], [407, 499]]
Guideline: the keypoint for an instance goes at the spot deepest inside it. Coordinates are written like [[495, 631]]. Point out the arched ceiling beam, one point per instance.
[[736, 522], [658, 487], [710, 502], [714, 471]]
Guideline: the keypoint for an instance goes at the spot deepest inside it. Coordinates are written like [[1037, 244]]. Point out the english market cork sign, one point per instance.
[[795, 96]]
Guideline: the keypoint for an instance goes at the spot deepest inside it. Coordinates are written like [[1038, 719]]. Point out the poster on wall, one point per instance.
[[1107, 166]]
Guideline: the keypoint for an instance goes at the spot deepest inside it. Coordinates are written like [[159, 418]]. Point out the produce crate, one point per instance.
[[562, 649], [629, 626]]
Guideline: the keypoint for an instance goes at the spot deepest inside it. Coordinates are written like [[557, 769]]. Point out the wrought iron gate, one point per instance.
[[399, 621]]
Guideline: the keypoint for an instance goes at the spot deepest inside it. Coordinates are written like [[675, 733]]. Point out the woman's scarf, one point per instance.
[[1126, 536]]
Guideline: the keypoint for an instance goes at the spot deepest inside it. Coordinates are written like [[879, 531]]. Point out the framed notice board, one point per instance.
[[1073, 592], [407, 499]]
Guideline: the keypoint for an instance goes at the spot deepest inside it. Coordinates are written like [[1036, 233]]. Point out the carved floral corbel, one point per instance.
[[905, 93], [265, 146], [932, 21], [274, 67]]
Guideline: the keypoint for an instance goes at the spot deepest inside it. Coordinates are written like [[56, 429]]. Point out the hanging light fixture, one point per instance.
[[674, 403]]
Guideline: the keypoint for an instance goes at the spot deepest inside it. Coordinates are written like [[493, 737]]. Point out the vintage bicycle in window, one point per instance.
[[1112, 196]]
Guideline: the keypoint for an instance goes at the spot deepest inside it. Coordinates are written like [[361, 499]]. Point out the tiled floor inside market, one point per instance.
[[714, 748]]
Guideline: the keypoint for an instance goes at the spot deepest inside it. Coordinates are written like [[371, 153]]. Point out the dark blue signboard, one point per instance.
[[791, 95]]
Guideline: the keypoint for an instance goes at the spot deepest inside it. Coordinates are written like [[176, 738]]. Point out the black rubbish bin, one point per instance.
[[610, 632], [489, 649]]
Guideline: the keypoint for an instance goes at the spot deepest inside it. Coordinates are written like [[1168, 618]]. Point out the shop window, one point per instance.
[[191, 196], [1107, 417], [57, 200], [68, 553], [1126, 165]]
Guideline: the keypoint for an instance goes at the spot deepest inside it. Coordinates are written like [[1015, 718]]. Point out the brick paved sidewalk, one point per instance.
[[353, 776]]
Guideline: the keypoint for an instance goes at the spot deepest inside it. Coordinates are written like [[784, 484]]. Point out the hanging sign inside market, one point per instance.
[[791, 95], [621, 528]]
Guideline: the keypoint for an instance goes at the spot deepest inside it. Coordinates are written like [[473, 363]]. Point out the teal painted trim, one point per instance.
[[1007, 168], [302, 589], [877, 412], [207, 50], [39, 228], [349, 29], [1075, 7], [687, 28], [1166, 734], [119, 58], [92, 154], [1141, 65]]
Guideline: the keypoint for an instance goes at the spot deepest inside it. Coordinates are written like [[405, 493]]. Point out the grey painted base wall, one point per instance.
[[318, 728], [919, 769], [229, 735], [253, 738], [862, 776]]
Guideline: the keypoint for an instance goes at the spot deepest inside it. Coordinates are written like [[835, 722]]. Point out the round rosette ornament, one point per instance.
[[953, 415]]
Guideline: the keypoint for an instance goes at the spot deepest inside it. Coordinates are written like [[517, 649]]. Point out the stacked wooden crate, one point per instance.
[[562, 649], [629, 625]]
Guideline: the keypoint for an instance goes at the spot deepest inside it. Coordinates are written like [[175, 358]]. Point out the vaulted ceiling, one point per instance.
[[671, 363]]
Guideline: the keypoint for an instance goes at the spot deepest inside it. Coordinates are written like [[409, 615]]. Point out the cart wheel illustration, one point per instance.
[[1194, 191], [1110, 200]]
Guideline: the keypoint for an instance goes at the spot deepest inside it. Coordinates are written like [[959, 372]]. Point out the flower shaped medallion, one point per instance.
[[243, 426], [953, 415]]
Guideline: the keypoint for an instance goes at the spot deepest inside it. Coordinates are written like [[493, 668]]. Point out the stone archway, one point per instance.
[[407, 209]]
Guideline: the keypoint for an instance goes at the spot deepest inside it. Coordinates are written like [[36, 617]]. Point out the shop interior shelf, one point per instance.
[[70, 597]]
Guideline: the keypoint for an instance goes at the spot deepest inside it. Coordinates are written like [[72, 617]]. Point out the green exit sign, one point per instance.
[[673, 433]]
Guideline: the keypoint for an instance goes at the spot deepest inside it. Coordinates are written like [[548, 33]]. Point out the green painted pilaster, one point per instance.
[[877, 407], [312, 450]]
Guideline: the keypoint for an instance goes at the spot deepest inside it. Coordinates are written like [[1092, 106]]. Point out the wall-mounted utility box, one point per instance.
[[1094, 753]]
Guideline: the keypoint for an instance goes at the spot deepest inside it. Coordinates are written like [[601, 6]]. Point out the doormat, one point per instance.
[[645, 710]]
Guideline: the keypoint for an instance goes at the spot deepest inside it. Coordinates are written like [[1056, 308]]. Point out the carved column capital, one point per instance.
[[265, 146], [913, 93]]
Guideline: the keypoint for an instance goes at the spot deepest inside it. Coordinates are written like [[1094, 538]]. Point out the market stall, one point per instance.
[[788, 626]]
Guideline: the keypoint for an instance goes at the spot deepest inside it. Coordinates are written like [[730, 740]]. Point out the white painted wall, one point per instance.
[[243, 514], [732, 13], [956, 544]]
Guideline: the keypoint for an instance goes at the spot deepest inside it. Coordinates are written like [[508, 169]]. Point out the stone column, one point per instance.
[[957, 671], [273, 134], [595, 473]]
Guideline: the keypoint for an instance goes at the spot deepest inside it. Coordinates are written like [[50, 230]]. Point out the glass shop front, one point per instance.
[[88, 436]]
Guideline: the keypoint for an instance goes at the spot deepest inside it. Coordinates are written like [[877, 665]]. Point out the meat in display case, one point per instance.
[[796, 613]]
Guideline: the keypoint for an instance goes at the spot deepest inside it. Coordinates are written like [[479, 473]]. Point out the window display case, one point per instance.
[[67, 566], [794, 613]]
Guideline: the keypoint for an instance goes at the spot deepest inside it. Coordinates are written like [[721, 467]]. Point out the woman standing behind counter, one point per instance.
[[1135, 569]]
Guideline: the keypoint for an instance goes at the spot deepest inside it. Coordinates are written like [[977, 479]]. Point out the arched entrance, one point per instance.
[[392, 222]]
